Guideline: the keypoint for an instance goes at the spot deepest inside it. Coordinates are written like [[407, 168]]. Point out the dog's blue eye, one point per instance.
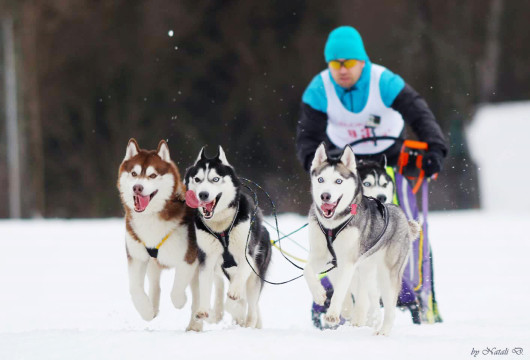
[[338, 181], [216, 179], [366, 184], [320, 179]]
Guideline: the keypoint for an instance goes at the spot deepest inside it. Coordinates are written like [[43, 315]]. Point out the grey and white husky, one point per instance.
[[367, 241], [223, 220], [376, 181]]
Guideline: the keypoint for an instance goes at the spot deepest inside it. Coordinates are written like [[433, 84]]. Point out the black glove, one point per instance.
[[432, 162]]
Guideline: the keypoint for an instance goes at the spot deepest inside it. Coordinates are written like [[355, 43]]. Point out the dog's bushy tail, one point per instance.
[[414, 228]]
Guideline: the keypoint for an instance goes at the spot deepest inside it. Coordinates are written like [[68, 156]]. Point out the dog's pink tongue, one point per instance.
[[209, 206], [141, 202], [327, 207], [191, 199]]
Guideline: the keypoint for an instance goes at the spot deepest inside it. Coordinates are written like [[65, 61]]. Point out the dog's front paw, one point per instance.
[[194, 325], [216, 316], [201, 315], [144, 306], [358, 319], [332, 318], [382, 332], [179, 299], [148, 314], [234, 292]]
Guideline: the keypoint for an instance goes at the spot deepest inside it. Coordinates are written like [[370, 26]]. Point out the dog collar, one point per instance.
[[153, 252]]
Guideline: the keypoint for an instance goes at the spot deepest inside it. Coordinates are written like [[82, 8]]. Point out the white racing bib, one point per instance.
[[345, 127]]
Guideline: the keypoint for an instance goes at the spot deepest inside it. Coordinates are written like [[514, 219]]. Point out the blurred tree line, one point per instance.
[[93, 73]]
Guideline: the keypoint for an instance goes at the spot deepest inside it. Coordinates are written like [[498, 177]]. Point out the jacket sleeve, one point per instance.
[[415, 111], [310, 132]]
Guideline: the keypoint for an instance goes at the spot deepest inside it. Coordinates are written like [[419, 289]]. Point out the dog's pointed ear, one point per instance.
[[132, 149], [163, 151], [320, 156], [383, 161], [348, 159], [201, 155], [222, 156]]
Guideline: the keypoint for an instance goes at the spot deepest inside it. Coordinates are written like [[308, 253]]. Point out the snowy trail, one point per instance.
[[64, 295]]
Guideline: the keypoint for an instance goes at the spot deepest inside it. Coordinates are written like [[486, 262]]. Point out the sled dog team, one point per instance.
[[200, 226]]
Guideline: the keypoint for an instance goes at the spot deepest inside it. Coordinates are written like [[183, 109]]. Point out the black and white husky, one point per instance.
[[223, 220], [367, 241], [376, 181]]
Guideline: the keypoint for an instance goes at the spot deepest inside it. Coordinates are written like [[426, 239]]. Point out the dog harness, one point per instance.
[[331, 234], [224, 239], [153, 252]]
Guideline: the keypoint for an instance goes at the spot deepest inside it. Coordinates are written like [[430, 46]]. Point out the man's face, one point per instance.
[[347, 77]]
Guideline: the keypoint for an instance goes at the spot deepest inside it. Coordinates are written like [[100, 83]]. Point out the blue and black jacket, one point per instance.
[[395, 93]]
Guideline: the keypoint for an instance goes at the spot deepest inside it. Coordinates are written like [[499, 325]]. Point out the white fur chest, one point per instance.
[[346, 243], [152, 230]]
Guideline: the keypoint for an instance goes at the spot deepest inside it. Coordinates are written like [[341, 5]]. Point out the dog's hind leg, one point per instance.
[[141, 301], [153, 275], [253, 294], [194, 325], [218, 305]]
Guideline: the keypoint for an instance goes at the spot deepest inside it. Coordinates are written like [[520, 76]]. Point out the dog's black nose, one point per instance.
[[325, 196], [203, 195], [381, 198], [138, 189]]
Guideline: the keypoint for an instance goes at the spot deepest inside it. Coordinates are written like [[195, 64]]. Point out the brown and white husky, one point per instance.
[[160, 230]]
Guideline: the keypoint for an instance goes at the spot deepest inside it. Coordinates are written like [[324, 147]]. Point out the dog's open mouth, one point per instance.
[[141, 202], [328, 209], [209, 207]]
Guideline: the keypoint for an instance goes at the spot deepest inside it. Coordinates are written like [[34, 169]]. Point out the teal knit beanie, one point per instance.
[[345, 43]]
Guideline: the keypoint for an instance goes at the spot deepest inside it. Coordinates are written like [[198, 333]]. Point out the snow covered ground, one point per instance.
[[63, 295]]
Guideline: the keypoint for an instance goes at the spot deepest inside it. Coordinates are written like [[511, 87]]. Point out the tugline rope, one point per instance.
[[255, 195]]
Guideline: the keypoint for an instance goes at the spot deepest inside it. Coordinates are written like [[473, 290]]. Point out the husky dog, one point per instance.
[[358, 234], [376, 182], [223, 220], [160, 232]]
